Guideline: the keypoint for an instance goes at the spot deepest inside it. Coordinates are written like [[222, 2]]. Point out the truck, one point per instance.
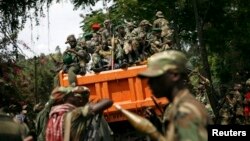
[[124, 88]]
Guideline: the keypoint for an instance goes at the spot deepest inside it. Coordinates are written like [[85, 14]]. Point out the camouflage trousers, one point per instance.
[[72, 71]]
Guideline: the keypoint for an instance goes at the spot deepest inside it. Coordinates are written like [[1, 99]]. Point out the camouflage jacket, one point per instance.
[[9, 130], [160, 22], [186, 119], [86, 128], [138, 33], [74, 58]]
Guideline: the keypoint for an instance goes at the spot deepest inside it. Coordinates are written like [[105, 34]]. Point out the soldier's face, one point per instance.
[[72, 43], [130, 28], [161, 85], [248, 88], [146, 27]]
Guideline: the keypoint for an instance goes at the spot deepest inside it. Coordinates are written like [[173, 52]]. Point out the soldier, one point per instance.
[[128, 42], [9, 130], [225, 116], [73, 118], [140, 42], [71, 60], [186, 119], [119, 51], [162, 23], [239, 113], [107, 30], [156, 41], [227, 112]]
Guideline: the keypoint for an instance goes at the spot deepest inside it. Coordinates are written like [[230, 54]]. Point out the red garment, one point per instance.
[[54, 130], [247, 107]]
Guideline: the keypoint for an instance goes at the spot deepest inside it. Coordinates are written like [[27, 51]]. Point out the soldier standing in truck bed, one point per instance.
[[162, 23]]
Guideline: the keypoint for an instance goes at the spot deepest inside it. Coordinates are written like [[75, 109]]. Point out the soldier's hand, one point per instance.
[[71, 50], [149, 112]]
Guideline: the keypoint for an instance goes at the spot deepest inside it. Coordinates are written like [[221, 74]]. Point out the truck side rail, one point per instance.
[[122, 86]]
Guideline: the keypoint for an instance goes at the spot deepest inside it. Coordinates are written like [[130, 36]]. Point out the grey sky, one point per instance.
[[63, 21]]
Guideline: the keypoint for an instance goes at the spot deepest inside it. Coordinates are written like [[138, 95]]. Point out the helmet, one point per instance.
[[145, 22], [248, 82], [106, 21], [161, 62], [118, 27], [130, 24], [159, 14], [70, 38]]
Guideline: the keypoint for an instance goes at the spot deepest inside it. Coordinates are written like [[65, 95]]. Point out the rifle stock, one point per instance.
[[142, 124]]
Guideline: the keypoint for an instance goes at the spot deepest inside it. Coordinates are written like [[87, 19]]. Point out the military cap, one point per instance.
[[1, 80], [161, 62], [156, 30], [232, 92], [60, 92], [159, 14], [130, 24], [106, 21], [88, 36], [248, 82], [145, 22], [118, 27], [70, 38]]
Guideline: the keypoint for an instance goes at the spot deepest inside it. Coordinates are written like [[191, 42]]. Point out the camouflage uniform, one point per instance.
[[71, 59], [156, 41], [9, 130], [128, 42], [186, 119], [199, 84], [227, 112], [225, 116], [140, 44], [162, 23], [120, 58], [76, 122], [239, 113], [107, 31]]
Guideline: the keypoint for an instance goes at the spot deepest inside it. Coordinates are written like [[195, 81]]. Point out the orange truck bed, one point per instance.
[[120, 85]]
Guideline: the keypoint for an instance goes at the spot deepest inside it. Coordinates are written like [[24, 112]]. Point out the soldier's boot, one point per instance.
[[97, 70], [138, 58], [122, 63], [82, 71], [130, 58], [97, 67]]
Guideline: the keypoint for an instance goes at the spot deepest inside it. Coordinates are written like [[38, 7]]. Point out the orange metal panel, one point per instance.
[[122, 86]]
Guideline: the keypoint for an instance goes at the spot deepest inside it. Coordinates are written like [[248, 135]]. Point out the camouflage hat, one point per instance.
[[145, 22], [106, 21], [130, 24], [159, 63], [118, 27], [60, 92], [248, 82], [88, 36], [159, 14], [70, 38]]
